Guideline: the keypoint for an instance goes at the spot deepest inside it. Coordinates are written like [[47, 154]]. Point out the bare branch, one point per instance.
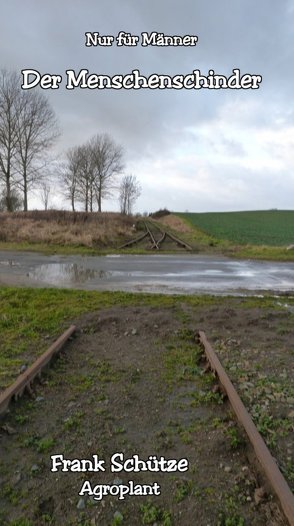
[[129, 191]]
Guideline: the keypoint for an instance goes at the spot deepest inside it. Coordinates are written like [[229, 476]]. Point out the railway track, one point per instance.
[[268, 464], [156, 236], [25, 380]]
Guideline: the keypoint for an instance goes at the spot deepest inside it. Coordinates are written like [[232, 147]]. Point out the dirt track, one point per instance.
[[131, 382]]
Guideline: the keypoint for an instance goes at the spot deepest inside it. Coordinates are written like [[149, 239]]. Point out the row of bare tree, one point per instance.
[[91, 172], [28, 127]]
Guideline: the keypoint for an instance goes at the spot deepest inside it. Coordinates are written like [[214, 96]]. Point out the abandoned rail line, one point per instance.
[[156, 236], [264, 458], [263, 455]]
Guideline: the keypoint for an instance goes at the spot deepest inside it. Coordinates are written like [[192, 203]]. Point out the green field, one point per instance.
[[269, 227]]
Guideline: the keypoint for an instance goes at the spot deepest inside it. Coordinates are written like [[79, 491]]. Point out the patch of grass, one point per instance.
[[11, 494], [217, 423], [81, 382], [117, 520], [181, 361], [31, 318], [269, 427], [264, 227], [205, 397], [73, 421], [185, 432], [64, 228], [105, 373], [234, 436], [21, 419], [45, 444], [153, 514], [42, 445], [229, 515], [256, 235], [183, 490], [119, 430]]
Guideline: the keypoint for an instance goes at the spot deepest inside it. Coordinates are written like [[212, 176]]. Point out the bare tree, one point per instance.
[[37, 130], [78, 178], [27, 128], [70, 175], [129, 191], [9, 95], [86, 180], [44, 194], [91, 170], [107, 164]]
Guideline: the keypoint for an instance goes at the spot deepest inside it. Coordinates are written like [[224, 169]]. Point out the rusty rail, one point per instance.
[[179, 241], [132, 241], [24, 380], [155, 243], [275, 477]]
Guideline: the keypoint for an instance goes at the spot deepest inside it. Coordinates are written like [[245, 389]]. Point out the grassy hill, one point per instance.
[[61, 230], [269, 227]]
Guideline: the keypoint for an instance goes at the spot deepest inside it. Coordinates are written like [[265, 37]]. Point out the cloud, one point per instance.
[[217, 149]]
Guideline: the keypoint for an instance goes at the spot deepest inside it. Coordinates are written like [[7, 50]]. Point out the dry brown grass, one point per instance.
[[59, 227], [176, 223]]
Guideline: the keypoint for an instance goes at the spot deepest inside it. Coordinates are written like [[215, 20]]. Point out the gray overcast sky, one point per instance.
[[202, 150]]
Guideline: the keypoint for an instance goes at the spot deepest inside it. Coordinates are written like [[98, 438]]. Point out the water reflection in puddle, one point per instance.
[[62, 273], [9, 263]]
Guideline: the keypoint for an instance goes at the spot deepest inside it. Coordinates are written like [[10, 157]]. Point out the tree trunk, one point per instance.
[[8, 194], [99, 200], [25, 191]]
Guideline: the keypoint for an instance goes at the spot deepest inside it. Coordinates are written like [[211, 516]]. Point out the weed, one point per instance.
[[181, 362], [11, 494], [73, 421], [39, 444], [30, 441], [21, 419], [235, 439], [229, 514], [45, 444], [81, 383], [105, 372], [205, 397], [117, 520], [152, 514], [217, 423], [184, 488], [119, 430]]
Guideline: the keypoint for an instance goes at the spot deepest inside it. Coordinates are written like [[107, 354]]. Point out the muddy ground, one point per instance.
[[132, 381]]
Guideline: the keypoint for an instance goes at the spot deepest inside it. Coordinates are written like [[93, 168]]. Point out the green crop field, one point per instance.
[[268, 227]]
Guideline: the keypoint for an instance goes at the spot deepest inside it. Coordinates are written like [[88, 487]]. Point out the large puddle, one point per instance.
[[179, 274], [66, 273]]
